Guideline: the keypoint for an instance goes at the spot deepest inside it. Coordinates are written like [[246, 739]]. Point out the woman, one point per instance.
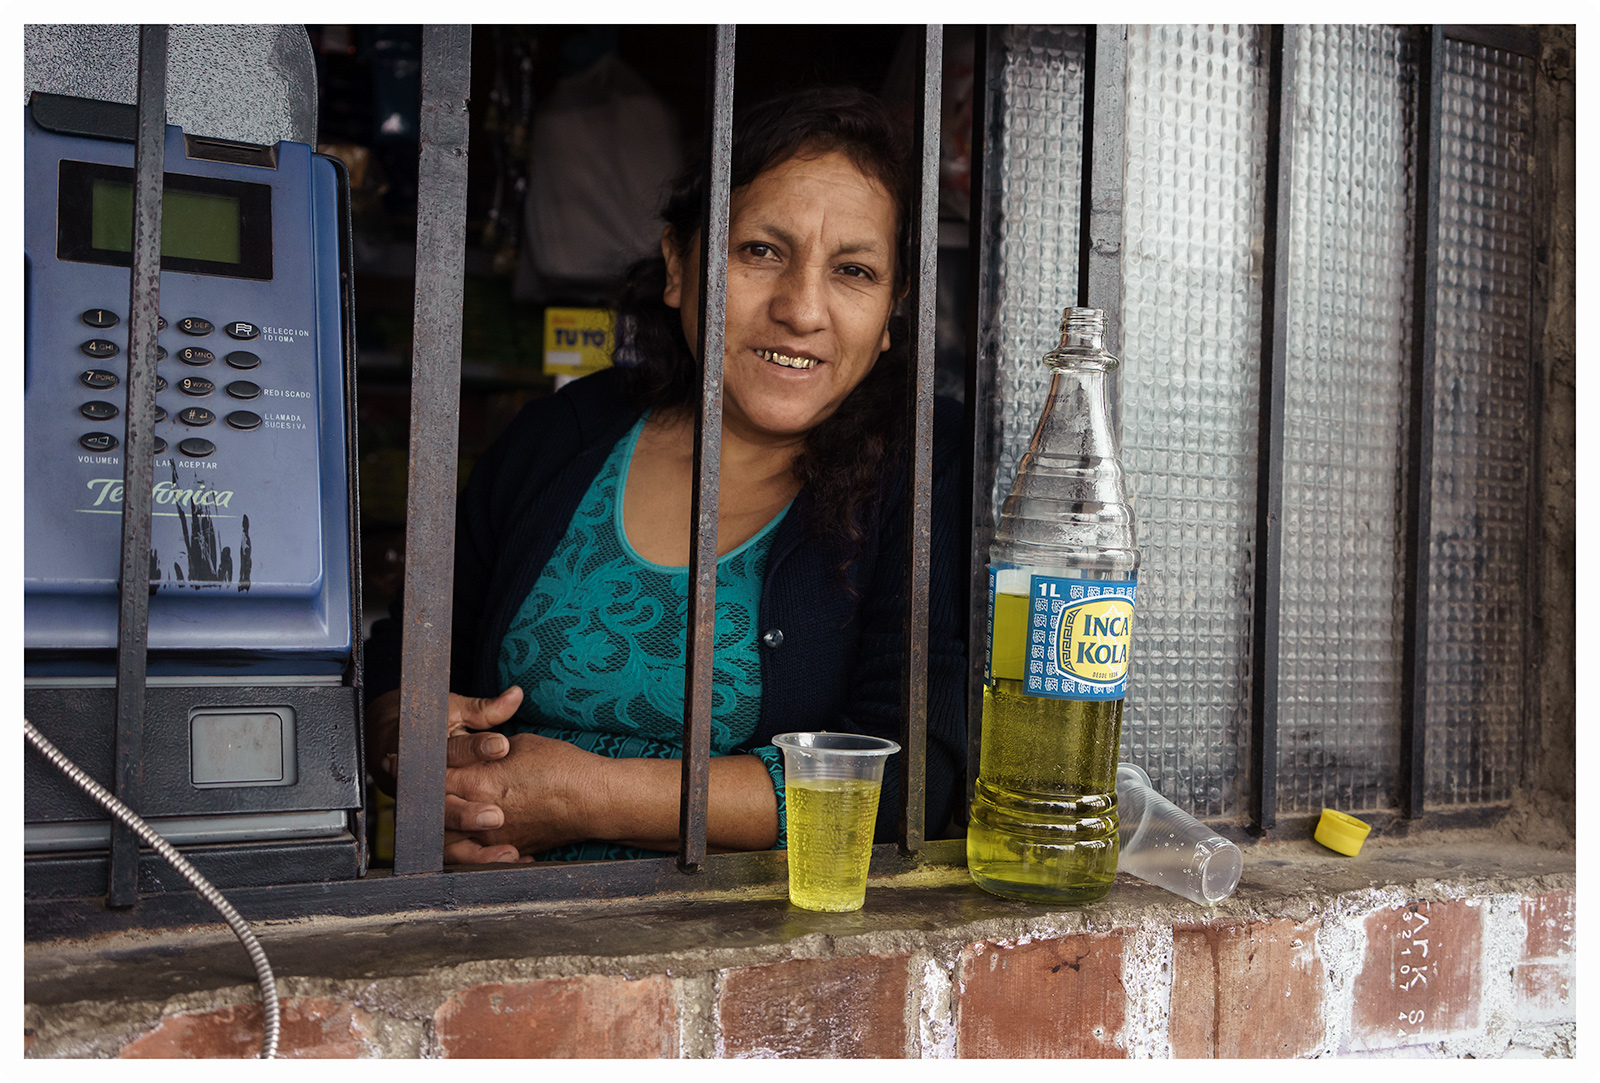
[[572, 539]]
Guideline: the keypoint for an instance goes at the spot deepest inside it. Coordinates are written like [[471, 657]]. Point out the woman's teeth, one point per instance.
[[785, 360]]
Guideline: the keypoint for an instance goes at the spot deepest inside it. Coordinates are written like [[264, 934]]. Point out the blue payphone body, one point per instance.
[[252, 732]]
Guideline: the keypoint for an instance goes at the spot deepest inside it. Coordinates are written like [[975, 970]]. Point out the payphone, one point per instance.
[[252, 759]]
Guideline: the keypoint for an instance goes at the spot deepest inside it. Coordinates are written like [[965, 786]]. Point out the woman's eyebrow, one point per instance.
[[786, 238]]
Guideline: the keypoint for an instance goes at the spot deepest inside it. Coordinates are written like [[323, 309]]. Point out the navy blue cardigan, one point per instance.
[[836, 663]]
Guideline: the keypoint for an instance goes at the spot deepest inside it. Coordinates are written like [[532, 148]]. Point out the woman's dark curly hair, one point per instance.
[[841, 461]]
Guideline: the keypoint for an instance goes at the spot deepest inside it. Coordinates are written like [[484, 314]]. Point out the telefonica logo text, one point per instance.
[[109, 490]]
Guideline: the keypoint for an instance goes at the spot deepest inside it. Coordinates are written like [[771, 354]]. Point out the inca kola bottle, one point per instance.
[[1062, 574]]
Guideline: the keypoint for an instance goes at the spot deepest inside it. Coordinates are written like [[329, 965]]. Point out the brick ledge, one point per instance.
[[966, 974]]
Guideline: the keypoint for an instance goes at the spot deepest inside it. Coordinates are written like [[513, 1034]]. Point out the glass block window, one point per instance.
[[1345, 415], [1041, 160], [1477, 607], [1191, 332], [1193, 228]]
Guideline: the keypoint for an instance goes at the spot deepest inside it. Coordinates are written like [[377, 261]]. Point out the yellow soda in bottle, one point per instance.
[[1062, 580]]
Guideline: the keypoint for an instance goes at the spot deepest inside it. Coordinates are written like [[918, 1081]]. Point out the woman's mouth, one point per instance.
[[786, 360]]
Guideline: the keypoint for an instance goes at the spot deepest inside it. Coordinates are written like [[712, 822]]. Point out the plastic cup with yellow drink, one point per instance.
[[832, 782]]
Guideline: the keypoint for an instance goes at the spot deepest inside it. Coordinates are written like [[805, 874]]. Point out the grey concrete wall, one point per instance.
[[254, 84]]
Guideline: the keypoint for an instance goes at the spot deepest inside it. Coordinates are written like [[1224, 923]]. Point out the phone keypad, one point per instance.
[[194, 386]]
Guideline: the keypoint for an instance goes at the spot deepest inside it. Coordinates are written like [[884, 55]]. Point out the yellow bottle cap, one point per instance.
[[1341, 832]]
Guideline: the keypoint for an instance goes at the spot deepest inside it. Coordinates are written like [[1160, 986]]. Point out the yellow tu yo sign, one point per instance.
[[578, 341]]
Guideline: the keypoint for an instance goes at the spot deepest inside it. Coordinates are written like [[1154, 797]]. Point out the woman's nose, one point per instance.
[[798, 301]]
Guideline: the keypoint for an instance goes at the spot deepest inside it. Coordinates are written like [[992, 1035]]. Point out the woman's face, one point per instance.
[[811, 269]]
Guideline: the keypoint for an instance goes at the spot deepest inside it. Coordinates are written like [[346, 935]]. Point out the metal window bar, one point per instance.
[[924, 258], [1105, 112], [435, 397], [694, 795], [1419, 468], [138, 460], [1282, 41], [983, 332]]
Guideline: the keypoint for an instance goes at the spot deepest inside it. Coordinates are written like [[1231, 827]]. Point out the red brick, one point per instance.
[[1546, 975], [307, 1027], [1048, 998], [1546, 992], [1421, 980], [1551, 920], [589, 1016], [1246, 990], [854, 1007]]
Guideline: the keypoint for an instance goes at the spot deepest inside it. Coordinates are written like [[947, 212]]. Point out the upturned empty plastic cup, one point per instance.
[[1165, 846], [832, 781]]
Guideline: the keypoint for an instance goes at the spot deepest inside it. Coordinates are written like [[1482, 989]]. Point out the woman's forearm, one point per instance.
[[638, 804]]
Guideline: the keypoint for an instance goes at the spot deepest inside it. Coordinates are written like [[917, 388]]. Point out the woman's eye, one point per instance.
[[760, 250], [855, 270]]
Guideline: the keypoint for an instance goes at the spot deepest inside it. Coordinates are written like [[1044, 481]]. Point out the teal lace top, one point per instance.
[[597, 647]]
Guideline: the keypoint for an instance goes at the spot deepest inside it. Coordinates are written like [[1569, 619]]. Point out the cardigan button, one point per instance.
[[773, 638]]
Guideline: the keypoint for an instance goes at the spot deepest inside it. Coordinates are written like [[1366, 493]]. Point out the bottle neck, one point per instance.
[[1077, 416], [1083, 338], [1083, 330], [1088, 355]]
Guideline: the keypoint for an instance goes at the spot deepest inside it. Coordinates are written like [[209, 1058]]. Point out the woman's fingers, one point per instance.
[[462, 751], [472, 713], [463, 815], [460, 850], [470, 748]]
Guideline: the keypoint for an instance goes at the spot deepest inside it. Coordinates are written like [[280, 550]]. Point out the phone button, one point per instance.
[[242, 330], [196, 385], [161, 445], [161, 414], [98, 441], [196, 355], [99, 348], [196, 415], [194, 325], [242, 359], [98, 411], [101, 317], [244, 419], [99, 379], [244, 389], [196, 447]]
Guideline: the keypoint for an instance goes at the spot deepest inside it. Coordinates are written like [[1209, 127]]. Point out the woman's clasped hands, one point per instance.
[[506, 796]]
